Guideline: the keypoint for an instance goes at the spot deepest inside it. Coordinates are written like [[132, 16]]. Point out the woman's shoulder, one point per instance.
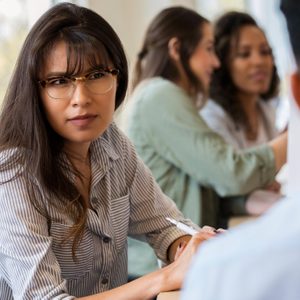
[[11, 156], [112, 142], [268, 112], [156, 83], [11, 162], [155, 88], [213, 111], [269, 107]]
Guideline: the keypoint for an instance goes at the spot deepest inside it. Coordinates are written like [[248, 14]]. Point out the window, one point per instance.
[[13, 29]]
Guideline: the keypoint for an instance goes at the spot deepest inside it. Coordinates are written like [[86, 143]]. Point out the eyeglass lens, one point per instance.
[[97, 82]]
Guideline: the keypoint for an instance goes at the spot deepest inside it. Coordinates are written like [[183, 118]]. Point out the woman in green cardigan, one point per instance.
[[192, 164]]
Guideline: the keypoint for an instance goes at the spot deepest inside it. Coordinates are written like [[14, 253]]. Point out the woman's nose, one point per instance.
[[216, 62], [257, 58], [81, 95]]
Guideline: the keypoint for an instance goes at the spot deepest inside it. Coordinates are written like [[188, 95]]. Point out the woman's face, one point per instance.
[[83, 116], [251, 63], [204, 60]]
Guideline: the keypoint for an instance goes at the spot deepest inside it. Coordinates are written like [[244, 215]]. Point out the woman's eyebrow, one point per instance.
[[55, 74], [244, 46], [64, 73]]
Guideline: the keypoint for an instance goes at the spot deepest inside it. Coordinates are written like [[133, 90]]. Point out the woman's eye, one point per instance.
[[59, 81], [243, 54], [96, 75], [266, 51]]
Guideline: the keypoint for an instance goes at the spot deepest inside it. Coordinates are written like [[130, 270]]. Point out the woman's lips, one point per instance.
[[82, 121], [259, 76]]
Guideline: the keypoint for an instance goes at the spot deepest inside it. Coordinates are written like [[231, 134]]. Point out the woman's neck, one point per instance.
[[79, 156], [184, 84], [249, 105], [77, 151]]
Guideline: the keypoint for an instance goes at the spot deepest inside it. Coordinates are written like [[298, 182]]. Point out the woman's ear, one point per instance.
[[173, 47], [295, 85]]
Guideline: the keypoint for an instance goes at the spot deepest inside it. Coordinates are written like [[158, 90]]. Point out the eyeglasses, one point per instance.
[[97, 82]]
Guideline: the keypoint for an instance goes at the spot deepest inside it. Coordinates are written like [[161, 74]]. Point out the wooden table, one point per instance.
[[234, 221], [169, 296]]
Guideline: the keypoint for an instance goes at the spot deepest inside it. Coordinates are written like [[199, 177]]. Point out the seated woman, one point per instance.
[[71, 185], [241, 109], [189, 160]]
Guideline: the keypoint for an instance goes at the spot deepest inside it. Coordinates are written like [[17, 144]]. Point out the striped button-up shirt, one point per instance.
[[125, 200]]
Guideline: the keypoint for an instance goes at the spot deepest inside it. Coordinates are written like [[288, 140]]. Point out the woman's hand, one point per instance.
[[184, 240], [175, 272], [275, 187], [166, 279], [260, 201]]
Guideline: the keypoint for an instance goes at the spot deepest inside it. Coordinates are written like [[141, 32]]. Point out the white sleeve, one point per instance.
[[219, 121]]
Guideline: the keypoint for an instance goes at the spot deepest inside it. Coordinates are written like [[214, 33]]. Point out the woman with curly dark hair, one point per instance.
[[241, 109], [241, 90]]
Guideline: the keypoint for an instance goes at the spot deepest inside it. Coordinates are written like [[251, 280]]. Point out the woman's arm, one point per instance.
[[179, 135], [27, 261], [178, 246], [166, 279], [279, 147]]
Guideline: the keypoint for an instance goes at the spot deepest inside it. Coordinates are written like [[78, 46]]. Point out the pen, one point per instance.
[[182, 226]]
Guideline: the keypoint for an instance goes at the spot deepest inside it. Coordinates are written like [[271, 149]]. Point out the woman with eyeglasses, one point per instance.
[[193, 165], [71, 185]]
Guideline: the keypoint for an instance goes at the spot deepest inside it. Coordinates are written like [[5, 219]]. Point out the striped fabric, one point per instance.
[[125, 200]]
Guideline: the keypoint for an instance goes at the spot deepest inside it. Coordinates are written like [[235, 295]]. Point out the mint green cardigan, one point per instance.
[[190, 162]]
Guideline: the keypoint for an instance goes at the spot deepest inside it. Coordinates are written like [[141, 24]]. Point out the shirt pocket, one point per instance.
[[120, 213], [62, 248]]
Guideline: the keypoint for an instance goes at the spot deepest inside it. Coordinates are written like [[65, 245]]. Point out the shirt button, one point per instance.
[[104, 281], [94, 200], [106, 239]]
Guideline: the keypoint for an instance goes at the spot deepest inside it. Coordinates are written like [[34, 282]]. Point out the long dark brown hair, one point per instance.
[[23, 124], [153, 58], [222, 89]]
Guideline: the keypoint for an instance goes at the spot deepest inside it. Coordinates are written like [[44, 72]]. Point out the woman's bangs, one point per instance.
[[85, 56]]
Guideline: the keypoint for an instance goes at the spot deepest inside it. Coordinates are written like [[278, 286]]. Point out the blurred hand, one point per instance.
[[260, 201], [275, 186], [176, 271]]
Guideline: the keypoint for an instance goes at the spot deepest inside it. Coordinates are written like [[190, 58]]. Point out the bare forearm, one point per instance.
[[166, 279], [145, 287], [279, 146]]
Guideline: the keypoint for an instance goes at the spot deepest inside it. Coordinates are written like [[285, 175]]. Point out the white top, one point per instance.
[[256, 261], [219, 120]]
